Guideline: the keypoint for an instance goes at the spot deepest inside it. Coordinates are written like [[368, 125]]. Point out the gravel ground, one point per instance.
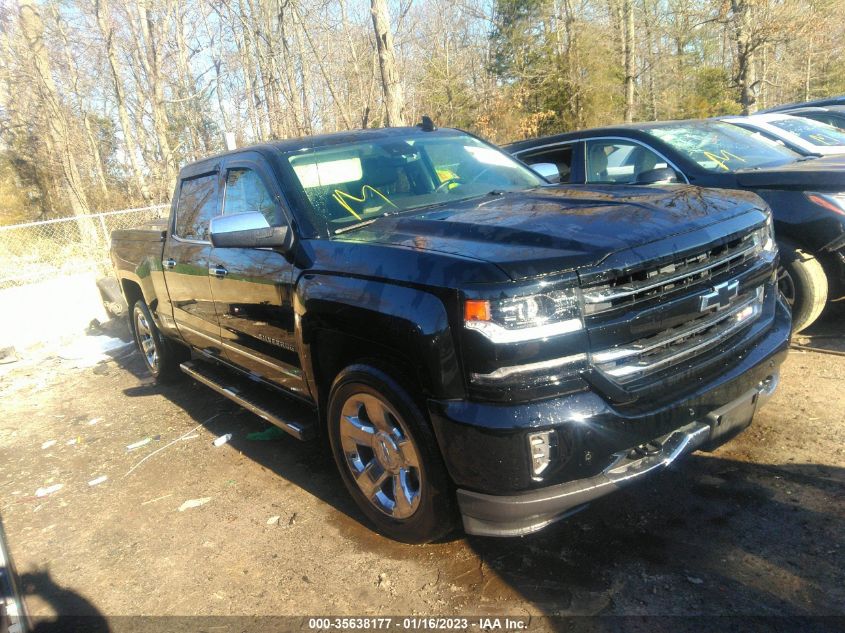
[[756, 528]]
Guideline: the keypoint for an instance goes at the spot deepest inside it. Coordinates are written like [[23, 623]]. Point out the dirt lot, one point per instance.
[[755, 528]]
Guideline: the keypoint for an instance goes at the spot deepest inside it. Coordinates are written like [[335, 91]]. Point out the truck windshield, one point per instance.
[[722, 147], [349, 183]]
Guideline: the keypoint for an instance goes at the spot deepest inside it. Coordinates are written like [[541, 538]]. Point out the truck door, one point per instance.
[[252, 287], [185, 263]]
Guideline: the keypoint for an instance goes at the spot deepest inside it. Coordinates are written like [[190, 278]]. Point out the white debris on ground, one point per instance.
[[48, 490], [87, 351], [194, 503], [139, 444]]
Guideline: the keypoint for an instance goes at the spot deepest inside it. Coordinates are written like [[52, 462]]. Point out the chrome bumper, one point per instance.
[[524, 513]]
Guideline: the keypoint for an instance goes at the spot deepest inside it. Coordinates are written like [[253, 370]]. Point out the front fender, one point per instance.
[[410, 322]]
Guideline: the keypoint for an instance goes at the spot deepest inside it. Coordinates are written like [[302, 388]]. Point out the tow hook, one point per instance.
[[644, 450]]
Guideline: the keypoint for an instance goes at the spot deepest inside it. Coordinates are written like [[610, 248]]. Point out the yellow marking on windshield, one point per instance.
[[445, 174], [722, 158], [341, 197], [821, 139]]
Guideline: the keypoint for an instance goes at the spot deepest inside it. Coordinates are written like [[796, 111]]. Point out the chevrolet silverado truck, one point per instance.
[[470, 340]]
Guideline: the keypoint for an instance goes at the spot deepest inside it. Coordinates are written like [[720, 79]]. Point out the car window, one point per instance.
[[560, 157], [813, 132], [197, 205], [722, 147], [837, 122], [619, 161], [246, 192], [350, 182], [828, 119]]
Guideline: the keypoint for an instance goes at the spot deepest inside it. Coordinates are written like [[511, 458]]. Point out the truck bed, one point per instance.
[[152, 231]]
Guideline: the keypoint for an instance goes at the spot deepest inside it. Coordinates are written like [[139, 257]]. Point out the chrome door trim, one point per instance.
[[238, 350], [189, 241]]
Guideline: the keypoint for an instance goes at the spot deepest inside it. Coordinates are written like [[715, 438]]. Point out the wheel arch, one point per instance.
[[344, 321]]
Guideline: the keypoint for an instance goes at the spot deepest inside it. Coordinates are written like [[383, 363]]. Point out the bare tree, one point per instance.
[[104, 22], [59, 142], [394, 103]]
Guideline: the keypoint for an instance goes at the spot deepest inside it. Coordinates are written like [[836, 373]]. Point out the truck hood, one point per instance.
[[825, 174], [557, 228]]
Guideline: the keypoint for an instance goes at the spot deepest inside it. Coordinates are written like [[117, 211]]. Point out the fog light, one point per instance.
[[540, 446]]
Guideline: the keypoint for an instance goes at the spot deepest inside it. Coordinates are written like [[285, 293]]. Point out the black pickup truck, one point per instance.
[[468, 338]]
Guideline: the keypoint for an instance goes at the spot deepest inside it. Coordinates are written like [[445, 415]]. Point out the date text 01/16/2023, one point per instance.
[[419, 623]]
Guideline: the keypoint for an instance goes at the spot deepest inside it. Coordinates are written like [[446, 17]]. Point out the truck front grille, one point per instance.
[[654, 324], [660, 351], [670, 278]]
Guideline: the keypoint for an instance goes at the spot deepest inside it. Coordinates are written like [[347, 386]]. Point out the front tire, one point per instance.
[[388, 457], [161, 357], [803, 283]]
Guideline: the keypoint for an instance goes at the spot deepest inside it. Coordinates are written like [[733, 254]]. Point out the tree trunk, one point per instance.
[[32, 28], [101, 8], [745, 72], [72, 70], [394, 103], [628, 51], [151, 62], [808, 65]]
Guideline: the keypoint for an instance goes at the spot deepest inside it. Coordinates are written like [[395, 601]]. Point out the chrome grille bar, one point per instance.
[[655, 279], [673, 346]]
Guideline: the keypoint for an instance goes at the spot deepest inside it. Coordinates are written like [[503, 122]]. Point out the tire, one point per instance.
[[161, 356], [375, 427], [803, 283]]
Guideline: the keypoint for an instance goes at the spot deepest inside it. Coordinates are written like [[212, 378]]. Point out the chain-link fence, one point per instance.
[[39, 251]]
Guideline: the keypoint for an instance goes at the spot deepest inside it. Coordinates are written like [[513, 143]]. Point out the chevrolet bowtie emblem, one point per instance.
[[720, 297]]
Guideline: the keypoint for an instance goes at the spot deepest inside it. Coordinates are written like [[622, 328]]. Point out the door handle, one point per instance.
[[169, 264], [217, 271]]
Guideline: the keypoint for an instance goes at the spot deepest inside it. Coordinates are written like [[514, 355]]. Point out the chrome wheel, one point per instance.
[[380, 455], [144, 334]]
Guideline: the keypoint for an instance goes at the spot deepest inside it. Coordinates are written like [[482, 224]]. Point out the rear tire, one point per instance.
[[803, 283], [388, 457], [161, 356]]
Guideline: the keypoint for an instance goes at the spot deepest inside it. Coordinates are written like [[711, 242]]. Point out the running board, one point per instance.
[[289, 415]]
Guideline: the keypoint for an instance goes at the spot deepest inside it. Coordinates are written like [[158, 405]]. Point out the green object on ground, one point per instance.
[[271, 433]]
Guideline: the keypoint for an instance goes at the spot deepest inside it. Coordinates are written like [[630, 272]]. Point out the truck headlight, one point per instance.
[[831, 201], [525, 318], [764, 238]]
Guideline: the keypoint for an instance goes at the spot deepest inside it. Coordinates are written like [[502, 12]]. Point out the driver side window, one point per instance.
[[246, 192], [619, 162]]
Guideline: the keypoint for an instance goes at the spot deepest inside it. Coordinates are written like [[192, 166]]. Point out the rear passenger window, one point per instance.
[[197, 205], [561, 156], [245, 192]]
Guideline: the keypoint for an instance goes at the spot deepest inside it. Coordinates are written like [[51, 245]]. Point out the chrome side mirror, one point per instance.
[[248, 230], [549, 171]]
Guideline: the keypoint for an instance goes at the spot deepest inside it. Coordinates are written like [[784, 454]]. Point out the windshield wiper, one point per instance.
[[423, 208], [445, 203], [357, 225]]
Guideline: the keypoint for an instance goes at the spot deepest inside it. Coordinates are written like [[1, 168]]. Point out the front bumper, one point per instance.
[[486, 450], [517, 515]]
